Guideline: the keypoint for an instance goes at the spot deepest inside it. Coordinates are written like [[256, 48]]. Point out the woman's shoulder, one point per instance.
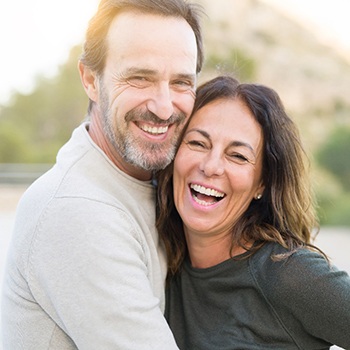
[[272, 257], [278, 271], [304, 280]]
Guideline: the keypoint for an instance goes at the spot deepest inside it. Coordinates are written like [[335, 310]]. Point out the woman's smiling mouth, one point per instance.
[[205, 196]]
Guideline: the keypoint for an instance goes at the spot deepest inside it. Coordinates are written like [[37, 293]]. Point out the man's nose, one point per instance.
[[160, 103]]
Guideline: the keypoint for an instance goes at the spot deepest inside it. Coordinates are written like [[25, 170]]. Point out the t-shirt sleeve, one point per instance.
[[306, 288], [90, 273]]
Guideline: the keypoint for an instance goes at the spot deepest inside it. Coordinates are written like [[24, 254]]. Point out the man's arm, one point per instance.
[[88, 270]]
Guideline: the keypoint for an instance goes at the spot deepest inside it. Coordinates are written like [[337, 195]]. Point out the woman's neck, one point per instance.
[[210, 251]]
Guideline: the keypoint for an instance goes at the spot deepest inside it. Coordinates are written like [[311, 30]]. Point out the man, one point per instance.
[[85, 268]]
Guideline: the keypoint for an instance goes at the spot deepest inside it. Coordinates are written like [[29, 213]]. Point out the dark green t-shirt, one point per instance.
[[256, 303]]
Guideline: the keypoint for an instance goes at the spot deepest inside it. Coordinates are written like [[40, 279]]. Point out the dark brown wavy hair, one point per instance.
[[285, 214]]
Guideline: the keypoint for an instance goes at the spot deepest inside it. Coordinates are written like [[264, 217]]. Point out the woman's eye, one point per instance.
[[239, 158], [195, 144]]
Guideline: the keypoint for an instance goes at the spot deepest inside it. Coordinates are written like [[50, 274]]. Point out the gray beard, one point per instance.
[[145, 155]]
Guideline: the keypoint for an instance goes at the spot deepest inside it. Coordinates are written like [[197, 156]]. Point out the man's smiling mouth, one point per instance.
[[154, 130]]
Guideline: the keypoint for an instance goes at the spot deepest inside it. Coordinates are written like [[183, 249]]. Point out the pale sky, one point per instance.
[[329, 19], [36, 36]]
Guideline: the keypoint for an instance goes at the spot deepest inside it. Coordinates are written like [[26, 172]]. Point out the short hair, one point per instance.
[[95, 45], [285, 213]]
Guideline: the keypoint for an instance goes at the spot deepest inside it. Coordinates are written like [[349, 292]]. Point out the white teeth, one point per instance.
[[154, 130], [206, 204], [207, 191]]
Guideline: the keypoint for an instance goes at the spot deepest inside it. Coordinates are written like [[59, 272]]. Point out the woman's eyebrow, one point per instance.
[[200, 131], [242, 144]]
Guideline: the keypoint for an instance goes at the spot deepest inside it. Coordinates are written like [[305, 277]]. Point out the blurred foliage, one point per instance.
[[333, 191], [234, 61], [334, 155], [334, 209], [33, 127]]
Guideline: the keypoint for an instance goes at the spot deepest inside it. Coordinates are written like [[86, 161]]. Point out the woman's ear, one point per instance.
[[260, 191], [89, 81]]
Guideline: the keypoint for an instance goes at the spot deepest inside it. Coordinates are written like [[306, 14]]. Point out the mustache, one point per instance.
[[147, 116]]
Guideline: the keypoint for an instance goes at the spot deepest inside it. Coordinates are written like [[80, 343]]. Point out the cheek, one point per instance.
[[184, 161], [243, 180], [184, 101], [180, 175], [125, 98], [178, 193]]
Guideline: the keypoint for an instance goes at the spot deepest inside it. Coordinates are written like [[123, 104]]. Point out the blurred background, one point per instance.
[[301, 48]]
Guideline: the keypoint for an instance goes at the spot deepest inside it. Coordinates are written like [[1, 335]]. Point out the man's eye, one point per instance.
[[138, 81], [183, 85], [183, 82]]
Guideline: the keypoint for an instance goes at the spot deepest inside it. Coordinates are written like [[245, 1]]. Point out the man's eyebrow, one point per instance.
[[146, 71], [191, 77], [141, 71]]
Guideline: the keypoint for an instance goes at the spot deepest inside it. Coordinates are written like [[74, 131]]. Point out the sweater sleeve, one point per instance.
[[90, 274], [310, 296]]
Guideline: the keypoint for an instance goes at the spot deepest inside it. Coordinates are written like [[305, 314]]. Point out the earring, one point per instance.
[[258, 196]]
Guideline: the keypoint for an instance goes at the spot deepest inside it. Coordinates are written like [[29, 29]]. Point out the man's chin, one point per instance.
[[155, 165], [151, 163], [149, 156]]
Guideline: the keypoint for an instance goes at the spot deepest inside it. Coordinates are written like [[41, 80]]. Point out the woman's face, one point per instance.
[[217, 170]]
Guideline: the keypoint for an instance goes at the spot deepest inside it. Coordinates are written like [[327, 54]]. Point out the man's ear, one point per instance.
[[89, 80]]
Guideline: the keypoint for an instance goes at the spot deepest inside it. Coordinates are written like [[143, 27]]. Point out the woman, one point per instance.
[[236, 216]]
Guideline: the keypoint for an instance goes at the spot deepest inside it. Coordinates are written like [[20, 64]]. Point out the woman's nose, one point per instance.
[[212, 165]]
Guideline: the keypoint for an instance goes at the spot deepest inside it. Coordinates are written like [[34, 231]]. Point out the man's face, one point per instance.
[[147, 90]]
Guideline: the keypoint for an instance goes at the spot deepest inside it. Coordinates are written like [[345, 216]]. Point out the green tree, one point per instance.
[[234, 61], [334, 155], [33, 127]]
